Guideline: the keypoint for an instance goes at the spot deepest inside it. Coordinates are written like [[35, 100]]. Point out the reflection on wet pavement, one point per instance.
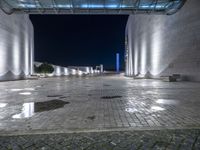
[[25, 93], [29, 109], [26, 112], [167, 101], [3, 105], [157, 108], [125, 103]]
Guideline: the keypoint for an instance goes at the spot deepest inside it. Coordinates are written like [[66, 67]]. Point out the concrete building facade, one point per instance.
[[16, 46], [161, 45]]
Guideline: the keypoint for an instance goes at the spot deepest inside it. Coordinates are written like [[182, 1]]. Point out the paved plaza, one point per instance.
[[97, 104]]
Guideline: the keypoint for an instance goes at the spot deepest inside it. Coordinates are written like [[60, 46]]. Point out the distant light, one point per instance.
[[102, 6], [25, 93], [80, 72], [27, 5], [117, 62], [157, 108], [156, 6], [64, 6], [66, 72], [58, 71], [3, 105], [73, 71], [88, 70]]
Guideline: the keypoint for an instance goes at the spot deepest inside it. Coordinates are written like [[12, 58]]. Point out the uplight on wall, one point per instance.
[[16, 56], [143, 56], [156, 49], [3, 53], [58, 71], [66, 72], [136, 59], [73, 72]]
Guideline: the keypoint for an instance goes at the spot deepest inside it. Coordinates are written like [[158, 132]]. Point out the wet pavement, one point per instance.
[[96, 111], [118, 140], [114, 102]]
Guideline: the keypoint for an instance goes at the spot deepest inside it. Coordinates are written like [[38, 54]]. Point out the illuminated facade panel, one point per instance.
[[16, 46], [92, 6], [164, 45]]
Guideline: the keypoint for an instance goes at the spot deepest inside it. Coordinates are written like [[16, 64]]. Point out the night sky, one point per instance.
[[83, 40]]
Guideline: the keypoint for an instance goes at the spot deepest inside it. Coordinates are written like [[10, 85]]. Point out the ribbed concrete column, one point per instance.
[[16, 46], [165, 45]]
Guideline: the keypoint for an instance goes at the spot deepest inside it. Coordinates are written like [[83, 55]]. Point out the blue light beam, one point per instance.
[[117, 62]]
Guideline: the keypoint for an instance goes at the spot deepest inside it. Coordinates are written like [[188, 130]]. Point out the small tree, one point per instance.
[[45, 68]]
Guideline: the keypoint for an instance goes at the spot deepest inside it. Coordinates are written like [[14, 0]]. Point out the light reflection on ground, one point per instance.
[[157, 108], [157, 104], [25, 93], [26, 112], [3, 105], [167, 101]]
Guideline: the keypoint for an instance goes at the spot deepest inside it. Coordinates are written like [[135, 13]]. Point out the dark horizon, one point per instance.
[[79, 40]]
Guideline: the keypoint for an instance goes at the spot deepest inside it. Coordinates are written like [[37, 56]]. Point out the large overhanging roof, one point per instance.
[[91, 6]]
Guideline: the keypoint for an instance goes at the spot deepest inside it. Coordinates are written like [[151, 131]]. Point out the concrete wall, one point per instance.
[[16, 46], [164, 45]]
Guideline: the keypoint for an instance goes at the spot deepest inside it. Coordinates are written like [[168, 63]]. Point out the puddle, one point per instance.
[[106, 85], [91, 117], [49, 105], [110, 97], [29, 109]]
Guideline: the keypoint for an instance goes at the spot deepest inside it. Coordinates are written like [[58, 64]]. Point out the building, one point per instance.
[[16, 46], [162, 45]]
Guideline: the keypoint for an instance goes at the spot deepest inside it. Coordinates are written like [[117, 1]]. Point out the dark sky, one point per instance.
[[86, 40]]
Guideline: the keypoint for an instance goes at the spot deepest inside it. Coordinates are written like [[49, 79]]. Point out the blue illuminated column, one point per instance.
[[117, 62]]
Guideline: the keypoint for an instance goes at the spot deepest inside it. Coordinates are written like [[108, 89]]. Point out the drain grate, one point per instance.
[[110, 97]]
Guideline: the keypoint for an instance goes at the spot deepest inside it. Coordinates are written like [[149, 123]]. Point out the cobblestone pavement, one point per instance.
[[54, 105], [132, 140]]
